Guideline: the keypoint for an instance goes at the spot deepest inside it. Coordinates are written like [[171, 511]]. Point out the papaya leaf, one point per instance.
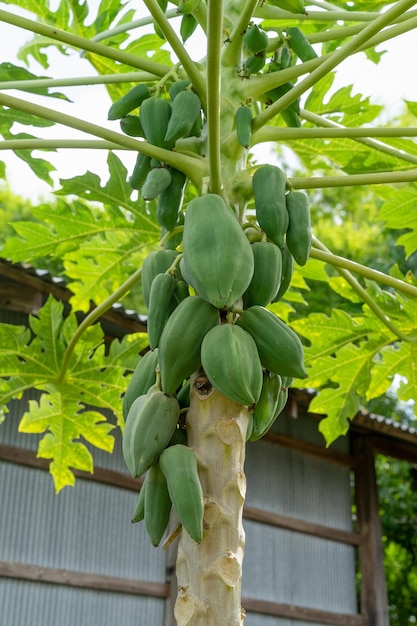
[[78, 405], [399, 211]]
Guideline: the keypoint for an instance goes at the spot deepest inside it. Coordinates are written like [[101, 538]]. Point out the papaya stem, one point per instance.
[[332, 61], [75, 41], [56, 144], [323, 254], [354, 283], [190, 67], [36, 83], [353, 180], [332, 129], [215, 44], [193, 168], [93, 316], [123, 28]]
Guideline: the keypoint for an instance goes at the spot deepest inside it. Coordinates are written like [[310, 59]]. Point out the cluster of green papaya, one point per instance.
[[162, 122], [292, 45], [207, 308]]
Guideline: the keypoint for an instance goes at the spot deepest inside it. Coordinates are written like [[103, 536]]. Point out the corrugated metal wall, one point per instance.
[[295, 568]]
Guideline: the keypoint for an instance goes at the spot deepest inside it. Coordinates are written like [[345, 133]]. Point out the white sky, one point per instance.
[[389, 82]]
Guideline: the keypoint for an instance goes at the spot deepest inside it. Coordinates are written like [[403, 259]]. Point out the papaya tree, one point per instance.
[[215, 244]]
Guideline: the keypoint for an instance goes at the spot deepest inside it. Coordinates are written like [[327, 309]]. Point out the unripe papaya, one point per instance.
[[140, 171], [160, 298], [131, 125], [154, 115], [217, 255], [175, 240], [279, 347], [187, 26], [300, 45], [179, 464], [266, 277], [244, 125], [281, 60], [157, 504], [185, 110], [131, 100], [187, 6], [157, 262], [267, 406], [281, 90], [183, 396], [255, 39], [180, 342], [298, 236], [293, 6], [158, 179], [179, 436], [169, 201], [291, 118], [177, 87], [149, 426], [181, 291], [287, 272], [269, 184], [139, 512], [230, 359], [143, 377], [255, 63]]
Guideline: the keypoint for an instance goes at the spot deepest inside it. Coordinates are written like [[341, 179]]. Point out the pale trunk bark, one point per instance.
[[209, 574]]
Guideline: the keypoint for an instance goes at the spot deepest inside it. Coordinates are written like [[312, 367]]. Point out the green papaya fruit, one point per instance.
[[181, 290], [180, 342], [132, 126], [177, 87], [155, 114], [157, 504], [185, 110], [157, 262], [300, 44], [230, 359], [169, 201], [281, 60], [291, 118], [255, 63], [267, 406], [149, 426], [279, 347], [140, 171], [175, 240], [217, 256], [139, 512], [179, 436], [183, 396], [187, 26], [269, 185], [158, 179], [278, 92], [298, 236], [244, 125], [179, 464], [187, 6], [130, 101], [292, 6], [267, 273], [162, 291], [287, 272], [143, 377], [255, 39]]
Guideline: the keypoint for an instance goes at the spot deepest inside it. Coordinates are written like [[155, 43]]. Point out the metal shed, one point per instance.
[[76, 557]]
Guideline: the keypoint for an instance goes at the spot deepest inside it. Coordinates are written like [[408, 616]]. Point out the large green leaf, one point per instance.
[[70, 408], [399, 212]]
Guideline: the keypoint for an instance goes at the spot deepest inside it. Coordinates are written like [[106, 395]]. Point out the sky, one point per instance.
[[388, 83]]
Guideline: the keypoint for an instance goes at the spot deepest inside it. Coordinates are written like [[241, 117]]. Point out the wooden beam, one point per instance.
[[28, 458], [69, 578], [291, 611], [374, 599], [332, 456], [300, 526]]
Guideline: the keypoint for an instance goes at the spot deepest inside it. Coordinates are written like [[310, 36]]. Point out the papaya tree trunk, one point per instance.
[[209, 573]]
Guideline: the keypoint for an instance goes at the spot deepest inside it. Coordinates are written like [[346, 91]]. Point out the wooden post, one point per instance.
[[374, 599]]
